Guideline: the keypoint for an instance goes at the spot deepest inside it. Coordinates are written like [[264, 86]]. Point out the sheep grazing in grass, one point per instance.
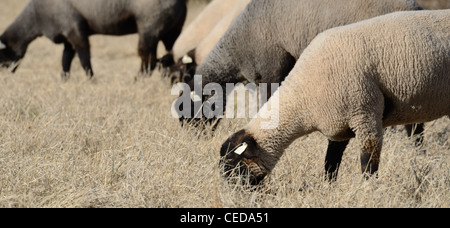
[[71, 22], [352, 82], [279, 31]]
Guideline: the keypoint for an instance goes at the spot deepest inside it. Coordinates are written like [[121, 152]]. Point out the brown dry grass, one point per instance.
[[111, 142]]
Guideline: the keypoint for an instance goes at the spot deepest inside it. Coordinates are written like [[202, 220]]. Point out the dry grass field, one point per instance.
[[112, 142]]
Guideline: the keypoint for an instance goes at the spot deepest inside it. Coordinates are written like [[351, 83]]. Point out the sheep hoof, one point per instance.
[[89, 74], [65, 76]]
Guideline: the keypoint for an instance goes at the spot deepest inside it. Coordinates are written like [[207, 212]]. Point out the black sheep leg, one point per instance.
[[333, 159], [68, 55]]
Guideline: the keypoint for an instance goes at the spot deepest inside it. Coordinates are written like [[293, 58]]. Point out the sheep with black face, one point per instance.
[[279, 32], [352, 82]]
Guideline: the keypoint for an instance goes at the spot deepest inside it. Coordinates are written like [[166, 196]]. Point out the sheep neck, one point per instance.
[[289, 119], [23, 30]]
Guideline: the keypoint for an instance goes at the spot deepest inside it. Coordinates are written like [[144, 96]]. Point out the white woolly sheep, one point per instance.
[[351, 82], [207, 44], [202, 26]]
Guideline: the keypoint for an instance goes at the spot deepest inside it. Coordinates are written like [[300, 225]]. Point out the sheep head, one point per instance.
[[180, 72], [200, 111], [242, 155], [8, 58]]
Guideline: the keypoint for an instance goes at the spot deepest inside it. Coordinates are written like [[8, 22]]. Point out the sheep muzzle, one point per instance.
[[241, 157]]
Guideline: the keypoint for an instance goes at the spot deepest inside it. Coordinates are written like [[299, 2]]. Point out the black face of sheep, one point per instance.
[[8, 58], [240, 157], [186, 110], [181, 72], [199, 123], [199, 111]]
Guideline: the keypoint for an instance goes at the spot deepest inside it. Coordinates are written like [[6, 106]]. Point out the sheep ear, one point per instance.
[[248, 150], [241, 149], [2, 46], [187, 59]]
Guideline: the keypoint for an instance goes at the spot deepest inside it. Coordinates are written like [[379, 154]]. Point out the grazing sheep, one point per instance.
[[71, 22], [353, 81], [188, 59], [279, 31]]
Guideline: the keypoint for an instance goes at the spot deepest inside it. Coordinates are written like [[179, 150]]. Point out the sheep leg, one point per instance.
[[371, 142], [81, 45], [368, 128], [147, 51], [416, 130], [85, 58], [170, 38], [333, 159], [149, 61], [68, 55]]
